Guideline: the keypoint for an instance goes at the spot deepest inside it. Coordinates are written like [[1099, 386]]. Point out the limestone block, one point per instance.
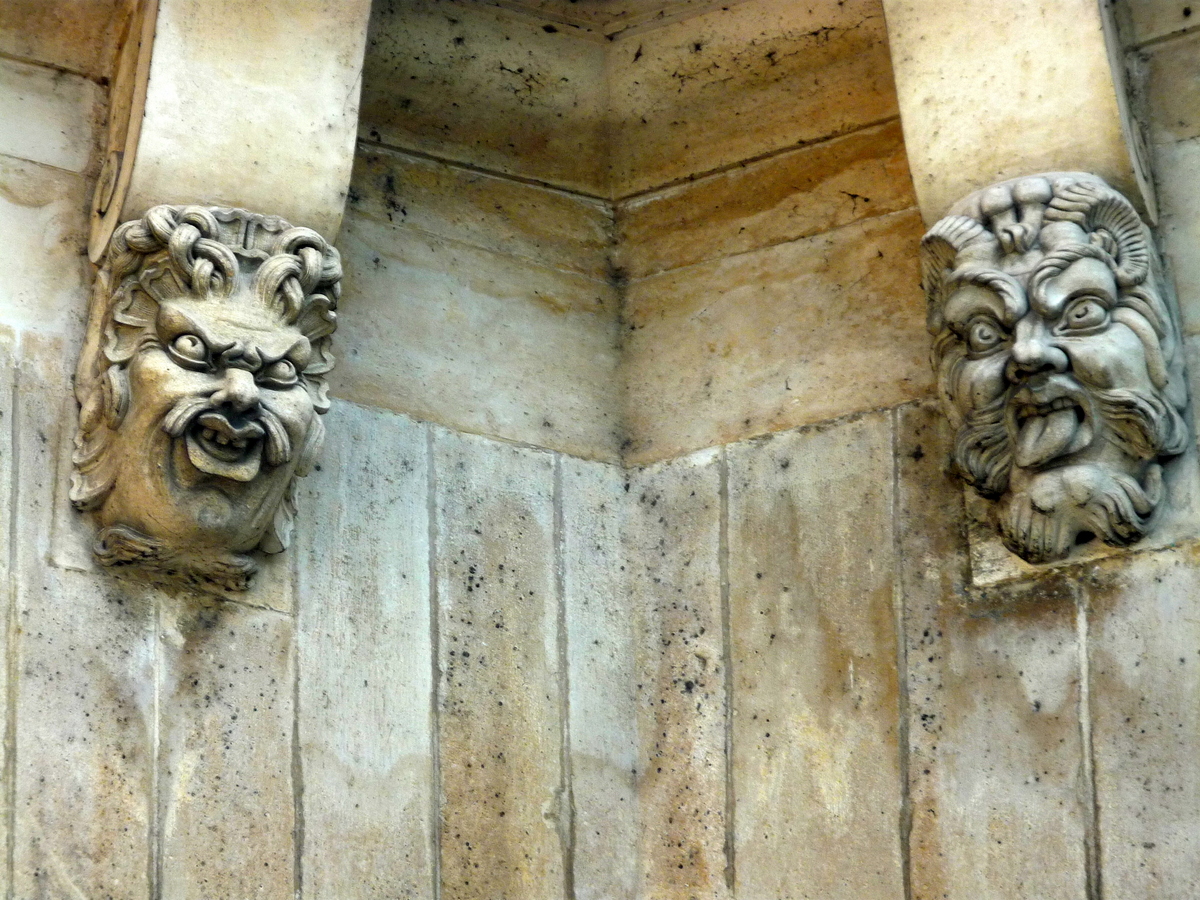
[[549, 227], [816, 755], [487, 343], [83, 742], [251, 105], [1178, 168], [77, 36], [785, 336], [1172, 71], [49, 115], [740, 81], [672, 546], [1144, 644], [365, 662], [792, 195], [1153, 19], [982, 101], [477, 84], [995, 760], [225, 790], [602, 641], [8, 360], [504, 815], [43, 220]]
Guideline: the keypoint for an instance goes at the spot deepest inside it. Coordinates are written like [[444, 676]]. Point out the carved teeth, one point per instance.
[[241, 445], [221, 439], [209, 434]]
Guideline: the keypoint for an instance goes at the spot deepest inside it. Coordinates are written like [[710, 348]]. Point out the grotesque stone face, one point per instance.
[[200, 389], [1058, 359]]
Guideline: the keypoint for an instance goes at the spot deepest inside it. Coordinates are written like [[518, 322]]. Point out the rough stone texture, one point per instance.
[[1019, 100], [1145, 659], [477, 341], [225, 792], [1151, 19], [785, 197], [8, 359], [57, 113], [365, 662], [997, 791], [740, 81], [780, 337], [816, 754], [602, 642], [549, 227], [503, 816], [1178, 165], [42, 220], [74, 35], [471, 82], [82, 746], [1172, 71], [672, 545]]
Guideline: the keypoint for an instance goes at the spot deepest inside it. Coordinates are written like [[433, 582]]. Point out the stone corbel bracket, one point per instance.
[[1060, 364]]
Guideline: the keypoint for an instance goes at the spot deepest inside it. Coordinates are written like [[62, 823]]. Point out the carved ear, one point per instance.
[[939, 250], [1111, 223]]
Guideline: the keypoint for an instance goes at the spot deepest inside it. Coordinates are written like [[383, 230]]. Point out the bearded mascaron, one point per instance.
[[1058, 359], [200, 386]]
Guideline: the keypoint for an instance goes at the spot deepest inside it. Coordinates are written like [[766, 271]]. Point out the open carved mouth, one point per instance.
[[227, 449], [1047, 429]]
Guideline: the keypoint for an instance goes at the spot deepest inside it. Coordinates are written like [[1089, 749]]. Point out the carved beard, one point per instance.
[[1043, 520]]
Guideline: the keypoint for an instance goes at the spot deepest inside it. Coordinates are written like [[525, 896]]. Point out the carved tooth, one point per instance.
[[209, 434], [221, 439], [241, 445]]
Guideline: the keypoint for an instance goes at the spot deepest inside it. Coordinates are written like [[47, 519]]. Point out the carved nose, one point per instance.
[[1033, 352], [238, 391]]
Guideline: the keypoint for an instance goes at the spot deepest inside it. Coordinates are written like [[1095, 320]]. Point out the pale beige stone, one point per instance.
[[553, 228], [225, 791], [478, 341], [364, 659], [243, 112], [765, 341], [1178, 168], [1172, 71], [85, 700], [611, 17], [792, 195], [993, 91], [995, 758], [50, 115], [816, 756], [1151, 20], [602, 641], [42, 218], [1144, 644], [504, 813], [74, 35], [8, 360], [740, 81], [474, 83], [672, 546]]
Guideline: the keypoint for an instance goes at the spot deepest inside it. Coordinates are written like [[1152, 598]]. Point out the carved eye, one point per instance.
[[281, 373], [189, 349], [984, 335], [1084, 314]]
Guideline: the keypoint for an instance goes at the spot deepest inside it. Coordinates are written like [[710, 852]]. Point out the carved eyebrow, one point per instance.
[[1003, 286]]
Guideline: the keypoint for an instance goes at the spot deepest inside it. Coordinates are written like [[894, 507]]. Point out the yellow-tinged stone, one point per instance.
[[75, 35], [764, 341], [1172, 72]]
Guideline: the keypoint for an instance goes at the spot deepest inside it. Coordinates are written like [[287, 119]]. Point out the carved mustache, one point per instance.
[[263, 422]]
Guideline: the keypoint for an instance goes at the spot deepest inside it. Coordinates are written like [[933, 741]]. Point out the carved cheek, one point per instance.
[[980, 381], [156, 382], [1114, 358], [295, 407]]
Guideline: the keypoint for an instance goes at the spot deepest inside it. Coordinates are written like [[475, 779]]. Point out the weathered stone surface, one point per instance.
[[74, 35], [477, 84], [816, 752], [785, 336], [8, 359], [984, 99], [504, 817], [364, 659], [84, 692], [1153, 19], [42, 218], [602, 640], [998, 796], [672, 544], [1145, 660], [1175, 109], [785, 197], [742, 80], [225, 791], [1178, 166], [549, 227], [57, 113], [486, 343]]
